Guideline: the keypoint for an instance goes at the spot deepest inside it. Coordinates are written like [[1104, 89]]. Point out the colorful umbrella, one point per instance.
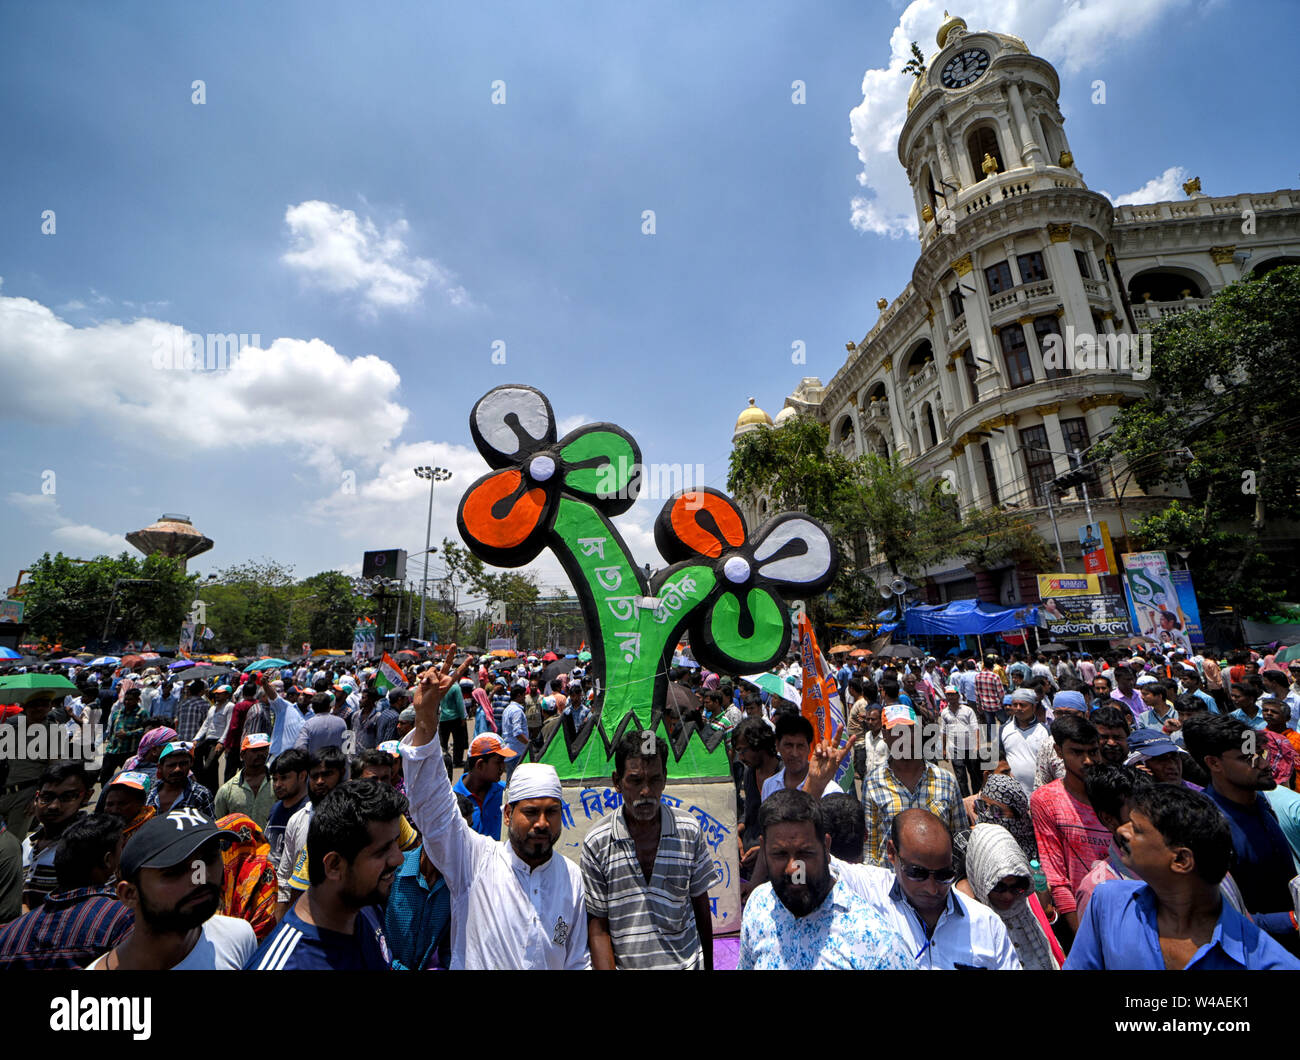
[[106, 660], [841, 647], [859, 653], [9, 653], [182, 664], [1288, 654]]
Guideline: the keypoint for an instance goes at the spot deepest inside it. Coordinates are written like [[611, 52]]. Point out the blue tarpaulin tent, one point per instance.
[[966, 618]]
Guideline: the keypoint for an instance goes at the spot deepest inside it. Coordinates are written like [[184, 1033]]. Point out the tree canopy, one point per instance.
[[1220, 422]]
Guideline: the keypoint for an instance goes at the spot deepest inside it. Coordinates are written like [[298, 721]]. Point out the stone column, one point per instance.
[[1032, 148], [1055, 436], [1035, 353], [1223, 257], [1063, 271]]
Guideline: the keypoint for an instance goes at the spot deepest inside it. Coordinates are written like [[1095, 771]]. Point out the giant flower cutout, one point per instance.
[[744, 622], [506, 515]]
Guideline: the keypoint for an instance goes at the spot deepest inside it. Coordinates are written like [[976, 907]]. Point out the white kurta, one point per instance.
[[503, 914]]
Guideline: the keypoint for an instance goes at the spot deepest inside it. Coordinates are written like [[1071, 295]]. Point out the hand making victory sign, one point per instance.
[[824, 763], [429, 690]]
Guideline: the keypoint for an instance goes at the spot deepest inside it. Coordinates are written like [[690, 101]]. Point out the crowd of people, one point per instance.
[[1040, 812]]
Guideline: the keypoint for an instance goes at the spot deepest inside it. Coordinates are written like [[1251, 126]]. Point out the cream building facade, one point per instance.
[[966, 373]]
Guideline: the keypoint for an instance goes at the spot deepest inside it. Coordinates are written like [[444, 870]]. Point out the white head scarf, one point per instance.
[[992, 854], [533, 780]]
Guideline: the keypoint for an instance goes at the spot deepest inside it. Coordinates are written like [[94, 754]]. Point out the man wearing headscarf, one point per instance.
[[515, 902], [998, 875]]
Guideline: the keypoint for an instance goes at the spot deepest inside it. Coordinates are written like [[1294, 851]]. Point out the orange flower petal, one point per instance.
[[520, 521], [699, 518]]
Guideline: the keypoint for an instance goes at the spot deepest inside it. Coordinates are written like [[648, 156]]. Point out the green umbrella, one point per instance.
[[21, 687], [773, 684], [584, 656], [1288, 654]]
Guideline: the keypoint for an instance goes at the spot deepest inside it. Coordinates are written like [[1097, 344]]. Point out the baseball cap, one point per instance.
[[168, 840], [951, 688], [254, 741], [390, 747], [1149, 743], [176, 746], [489, 743], [899, 714], [223, 688], [132, 779], [408, 716]]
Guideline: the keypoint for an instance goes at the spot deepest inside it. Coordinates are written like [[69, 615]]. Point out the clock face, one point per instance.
[[964, 68]]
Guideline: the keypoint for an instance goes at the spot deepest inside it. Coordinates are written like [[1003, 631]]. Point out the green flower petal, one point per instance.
[[602, 464], [769, 629]]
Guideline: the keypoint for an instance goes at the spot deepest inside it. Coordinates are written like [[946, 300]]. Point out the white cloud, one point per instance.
[[1071, 34], [1164, 188], [299, 394], [341, 252], [69, 537]]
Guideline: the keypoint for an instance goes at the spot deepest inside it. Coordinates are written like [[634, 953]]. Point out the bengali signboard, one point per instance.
[[712, 804], [1153, 599], [1189, 612], [1085, 617], [11, 610]]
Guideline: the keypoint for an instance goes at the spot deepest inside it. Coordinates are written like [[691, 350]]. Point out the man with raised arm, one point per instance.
[[515, 902]]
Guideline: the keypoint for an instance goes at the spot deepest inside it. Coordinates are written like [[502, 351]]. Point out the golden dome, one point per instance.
[[753, 417], [915, 94], [950, 22]]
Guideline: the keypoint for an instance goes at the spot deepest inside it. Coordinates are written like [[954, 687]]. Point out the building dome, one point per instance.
[[950, 22], [914, 95], [784, 416], [753, 417]]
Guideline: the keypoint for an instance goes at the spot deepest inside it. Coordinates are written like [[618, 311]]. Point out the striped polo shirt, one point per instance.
[[651, 925]]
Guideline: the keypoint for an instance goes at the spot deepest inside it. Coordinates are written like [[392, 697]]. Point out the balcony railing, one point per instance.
[[1026, 292], [1149, 312], [913, 384]]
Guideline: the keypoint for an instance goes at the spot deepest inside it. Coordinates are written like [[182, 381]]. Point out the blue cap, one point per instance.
[[1151, 743]]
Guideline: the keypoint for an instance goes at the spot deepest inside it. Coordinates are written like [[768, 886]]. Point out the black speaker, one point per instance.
[[388, 563]]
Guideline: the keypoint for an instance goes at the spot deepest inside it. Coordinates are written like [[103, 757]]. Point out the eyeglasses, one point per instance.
[[1019, 886], [917, 874], [47, 797]]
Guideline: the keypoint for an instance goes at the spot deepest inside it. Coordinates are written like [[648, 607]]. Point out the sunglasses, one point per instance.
[[919, 875], [1018, 886]]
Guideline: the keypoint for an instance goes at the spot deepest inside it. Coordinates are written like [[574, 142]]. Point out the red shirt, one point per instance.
[[237, 713], [1070, 838]]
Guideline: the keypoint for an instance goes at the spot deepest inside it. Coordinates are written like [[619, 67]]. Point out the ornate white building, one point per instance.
[[1016, 249]]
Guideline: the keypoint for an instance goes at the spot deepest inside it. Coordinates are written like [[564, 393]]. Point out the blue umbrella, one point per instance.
[[105, 660], [9, 653]]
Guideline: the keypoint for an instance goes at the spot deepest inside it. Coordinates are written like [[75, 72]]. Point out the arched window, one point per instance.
[[1165, 285], [925, 183], [930, 425], [981, 141]]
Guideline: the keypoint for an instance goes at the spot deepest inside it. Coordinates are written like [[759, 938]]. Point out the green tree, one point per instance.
[[72, 602], [1220, 421], [248, 605], [328, 620], [916, 64]]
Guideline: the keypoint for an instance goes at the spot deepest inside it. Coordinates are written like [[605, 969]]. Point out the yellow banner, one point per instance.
[[1050, 585]]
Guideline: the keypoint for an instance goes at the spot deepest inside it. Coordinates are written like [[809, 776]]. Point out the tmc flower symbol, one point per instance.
[[744, 621], [507, 514]]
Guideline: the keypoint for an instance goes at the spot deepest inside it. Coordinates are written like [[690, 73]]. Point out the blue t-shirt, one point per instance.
[[1263, 863], [277, 821], [487, 817], [295, 945]]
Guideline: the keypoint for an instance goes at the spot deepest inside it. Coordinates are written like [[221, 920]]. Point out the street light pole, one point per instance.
[[433, 474]]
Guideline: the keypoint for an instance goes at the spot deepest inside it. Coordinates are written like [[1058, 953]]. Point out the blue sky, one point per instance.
[[350, 193]]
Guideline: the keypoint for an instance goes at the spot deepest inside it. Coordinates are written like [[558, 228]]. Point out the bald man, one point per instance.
[[945, 928]]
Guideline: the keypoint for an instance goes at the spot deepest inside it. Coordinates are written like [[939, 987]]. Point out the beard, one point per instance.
[[528, 844], [354, 898], [802, 899], [177, 920], [644, 809]]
